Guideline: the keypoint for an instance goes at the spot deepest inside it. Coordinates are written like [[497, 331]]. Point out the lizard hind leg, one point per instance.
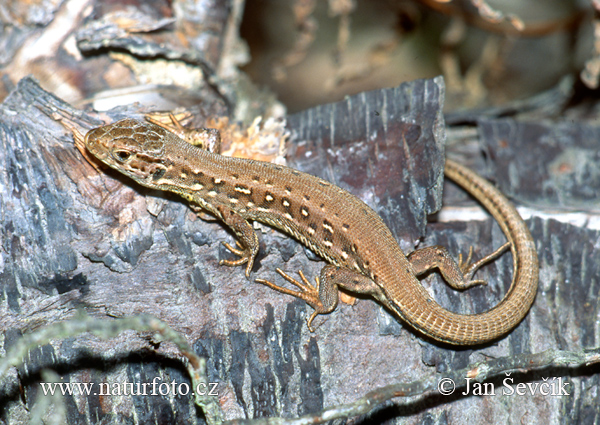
[[469, 268], [459, 275], [324, 296]]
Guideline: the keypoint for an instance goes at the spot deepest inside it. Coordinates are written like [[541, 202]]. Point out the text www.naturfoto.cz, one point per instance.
[[153, 388]]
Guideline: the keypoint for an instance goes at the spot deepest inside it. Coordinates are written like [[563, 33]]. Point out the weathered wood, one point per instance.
[[78, 238]]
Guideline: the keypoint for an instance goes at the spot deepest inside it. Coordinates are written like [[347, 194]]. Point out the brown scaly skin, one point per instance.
[[362, 253]]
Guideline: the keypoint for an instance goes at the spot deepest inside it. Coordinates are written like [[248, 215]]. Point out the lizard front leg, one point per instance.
[[247, 240], [324, 296]]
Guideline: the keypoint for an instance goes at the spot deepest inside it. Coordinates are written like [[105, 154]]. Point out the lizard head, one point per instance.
[[131, 147]]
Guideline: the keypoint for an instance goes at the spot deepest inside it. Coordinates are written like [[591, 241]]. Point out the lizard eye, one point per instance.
[[122, 155]]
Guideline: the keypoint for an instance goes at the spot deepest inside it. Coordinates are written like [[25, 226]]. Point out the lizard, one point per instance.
[[362, 254]]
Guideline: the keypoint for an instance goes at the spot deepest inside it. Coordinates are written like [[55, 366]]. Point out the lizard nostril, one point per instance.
[[158, 173]]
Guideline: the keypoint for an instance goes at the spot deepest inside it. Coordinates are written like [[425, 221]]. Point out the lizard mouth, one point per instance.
[[93, 145]]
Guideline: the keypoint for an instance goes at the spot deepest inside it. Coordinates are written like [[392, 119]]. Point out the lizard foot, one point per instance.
[[244, 254], [468, 268], [308, 292]]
